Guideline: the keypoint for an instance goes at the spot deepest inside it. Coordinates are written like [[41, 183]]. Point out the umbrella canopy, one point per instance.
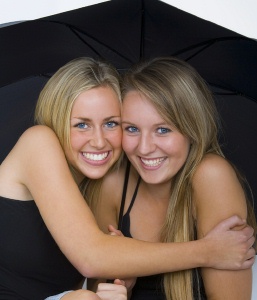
[[123, 32]]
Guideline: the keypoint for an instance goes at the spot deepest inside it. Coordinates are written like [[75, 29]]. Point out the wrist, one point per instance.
[[203, 253]]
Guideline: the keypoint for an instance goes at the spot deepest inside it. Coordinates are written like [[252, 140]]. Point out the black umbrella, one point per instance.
[[123, 32]]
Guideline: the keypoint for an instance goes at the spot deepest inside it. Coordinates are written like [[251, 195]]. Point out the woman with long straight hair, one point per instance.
[[178, 185]]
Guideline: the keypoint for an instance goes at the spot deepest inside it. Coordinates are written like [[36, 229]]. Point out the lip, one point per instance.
[[151, 163], [89, 158]]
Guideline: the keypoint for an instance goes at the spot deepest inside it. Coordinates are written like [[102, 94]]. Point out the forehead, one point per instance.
[[97, 100], [137, 108], [136, 102]]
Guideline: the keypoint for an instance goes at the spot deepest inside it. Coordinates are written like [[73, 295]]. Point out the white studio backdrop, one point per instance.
[[237, 15]]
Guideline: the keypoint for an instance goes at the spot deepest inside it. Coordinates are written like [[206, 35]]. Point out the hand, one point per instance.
[[112, 291], [232, 249]]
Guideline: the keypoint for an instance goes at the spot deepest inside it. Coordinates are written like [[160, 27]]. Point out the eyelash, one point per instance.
[[163, 128], [79, 124], [135, 129], [114, 124], [128, 128]]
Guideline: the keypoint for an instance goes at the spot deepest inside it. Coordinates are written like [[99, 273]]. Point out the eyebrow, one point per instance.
[[157, 124], [89, 120]]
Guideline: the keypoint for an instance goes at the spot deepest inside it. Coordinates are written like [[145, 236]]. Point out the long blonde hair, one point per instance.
[[182, 97], [56, 100]]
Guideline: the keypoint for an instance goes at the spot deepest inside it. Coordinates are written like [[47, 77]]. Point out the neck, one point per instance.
[[158, 191]]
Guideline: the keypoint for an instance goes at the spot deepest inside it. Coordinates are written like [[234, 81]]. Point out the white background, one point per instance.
[[237, 15]]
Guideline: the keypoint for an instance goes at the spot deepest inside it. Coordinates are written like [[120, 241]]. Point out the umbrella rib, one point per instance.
[[142, 29], [75, 31], [207, 44], [27, 77], [228, 92], [199, 51]]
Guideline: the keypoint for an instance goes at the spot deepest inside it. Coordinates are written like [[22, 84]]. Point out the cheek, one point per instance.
[[177, 146], [184, 148], [76, 140], [116, 138], [128, 144]]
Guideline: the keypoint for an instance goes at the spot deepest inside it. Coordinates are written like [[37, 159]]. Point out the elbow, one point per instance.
[[90, 269]]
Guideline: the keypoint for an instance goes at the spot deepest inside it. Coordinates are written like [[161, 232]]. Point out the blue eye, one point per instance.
[[163, 130], [131, 129], [111, 124], [82, 125]]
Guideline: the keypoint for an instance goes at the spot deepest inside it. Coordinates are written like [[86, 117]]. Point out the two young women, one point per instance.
[[50, 237]]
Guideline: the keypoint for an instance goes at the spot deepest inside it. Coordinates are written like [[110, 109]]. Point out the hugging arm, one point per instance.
[[44, 171]]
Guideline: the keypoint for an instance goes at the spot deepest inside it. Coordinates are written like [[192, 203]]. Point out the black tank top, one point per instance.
[[32, 266], [148, 287]]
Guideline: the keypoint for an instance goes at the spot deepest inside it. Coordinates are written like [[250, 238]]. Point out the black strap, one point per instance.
[[134, 195], [125, 186], [124, 192]]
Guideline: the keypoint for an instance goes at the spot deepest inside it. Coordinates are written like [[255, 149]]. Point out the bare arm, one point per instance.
[[219, 195], [42, 168]]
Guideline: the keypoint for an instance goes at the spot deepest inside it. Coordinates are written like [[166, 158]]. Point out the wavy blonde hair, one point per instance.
[[56, 100], [182, 97]]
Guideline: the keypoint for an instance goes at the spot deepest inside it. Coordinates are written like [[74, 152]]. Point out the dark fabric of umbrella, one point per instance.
[[123, 32]]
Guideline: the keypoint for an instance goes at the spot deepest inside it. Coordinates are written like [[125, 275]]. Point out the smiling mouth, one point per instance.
[[94, 156], [152, 162]]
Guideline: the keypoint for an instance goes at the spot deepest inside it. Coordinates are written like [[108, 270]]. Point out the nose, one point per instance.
[[98, 139], [146, 144]]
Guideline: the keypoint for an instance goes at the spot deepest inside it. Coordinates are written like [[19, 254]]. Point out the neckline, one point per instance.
[[16, 200]]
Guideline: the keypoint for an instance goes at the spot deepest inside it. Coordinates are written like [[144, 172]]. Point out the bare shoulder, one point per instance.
[[36, 147], [34, 136], [39, 143], [213, 164], [39, 134], [214, 168], [217, 192]]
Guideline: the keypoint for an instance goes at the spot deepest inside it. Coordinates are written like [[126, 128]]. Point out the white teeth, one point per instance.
[[96, 157], [152, 162]]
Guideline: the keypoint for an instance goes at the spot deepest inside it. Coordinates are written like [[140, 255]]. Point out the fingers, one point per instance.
[[231, 223], [114, 231], [109, 291], [119, 282], [248, 263], [250, 243], [248, 232], [233, 247], [251, 254]]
